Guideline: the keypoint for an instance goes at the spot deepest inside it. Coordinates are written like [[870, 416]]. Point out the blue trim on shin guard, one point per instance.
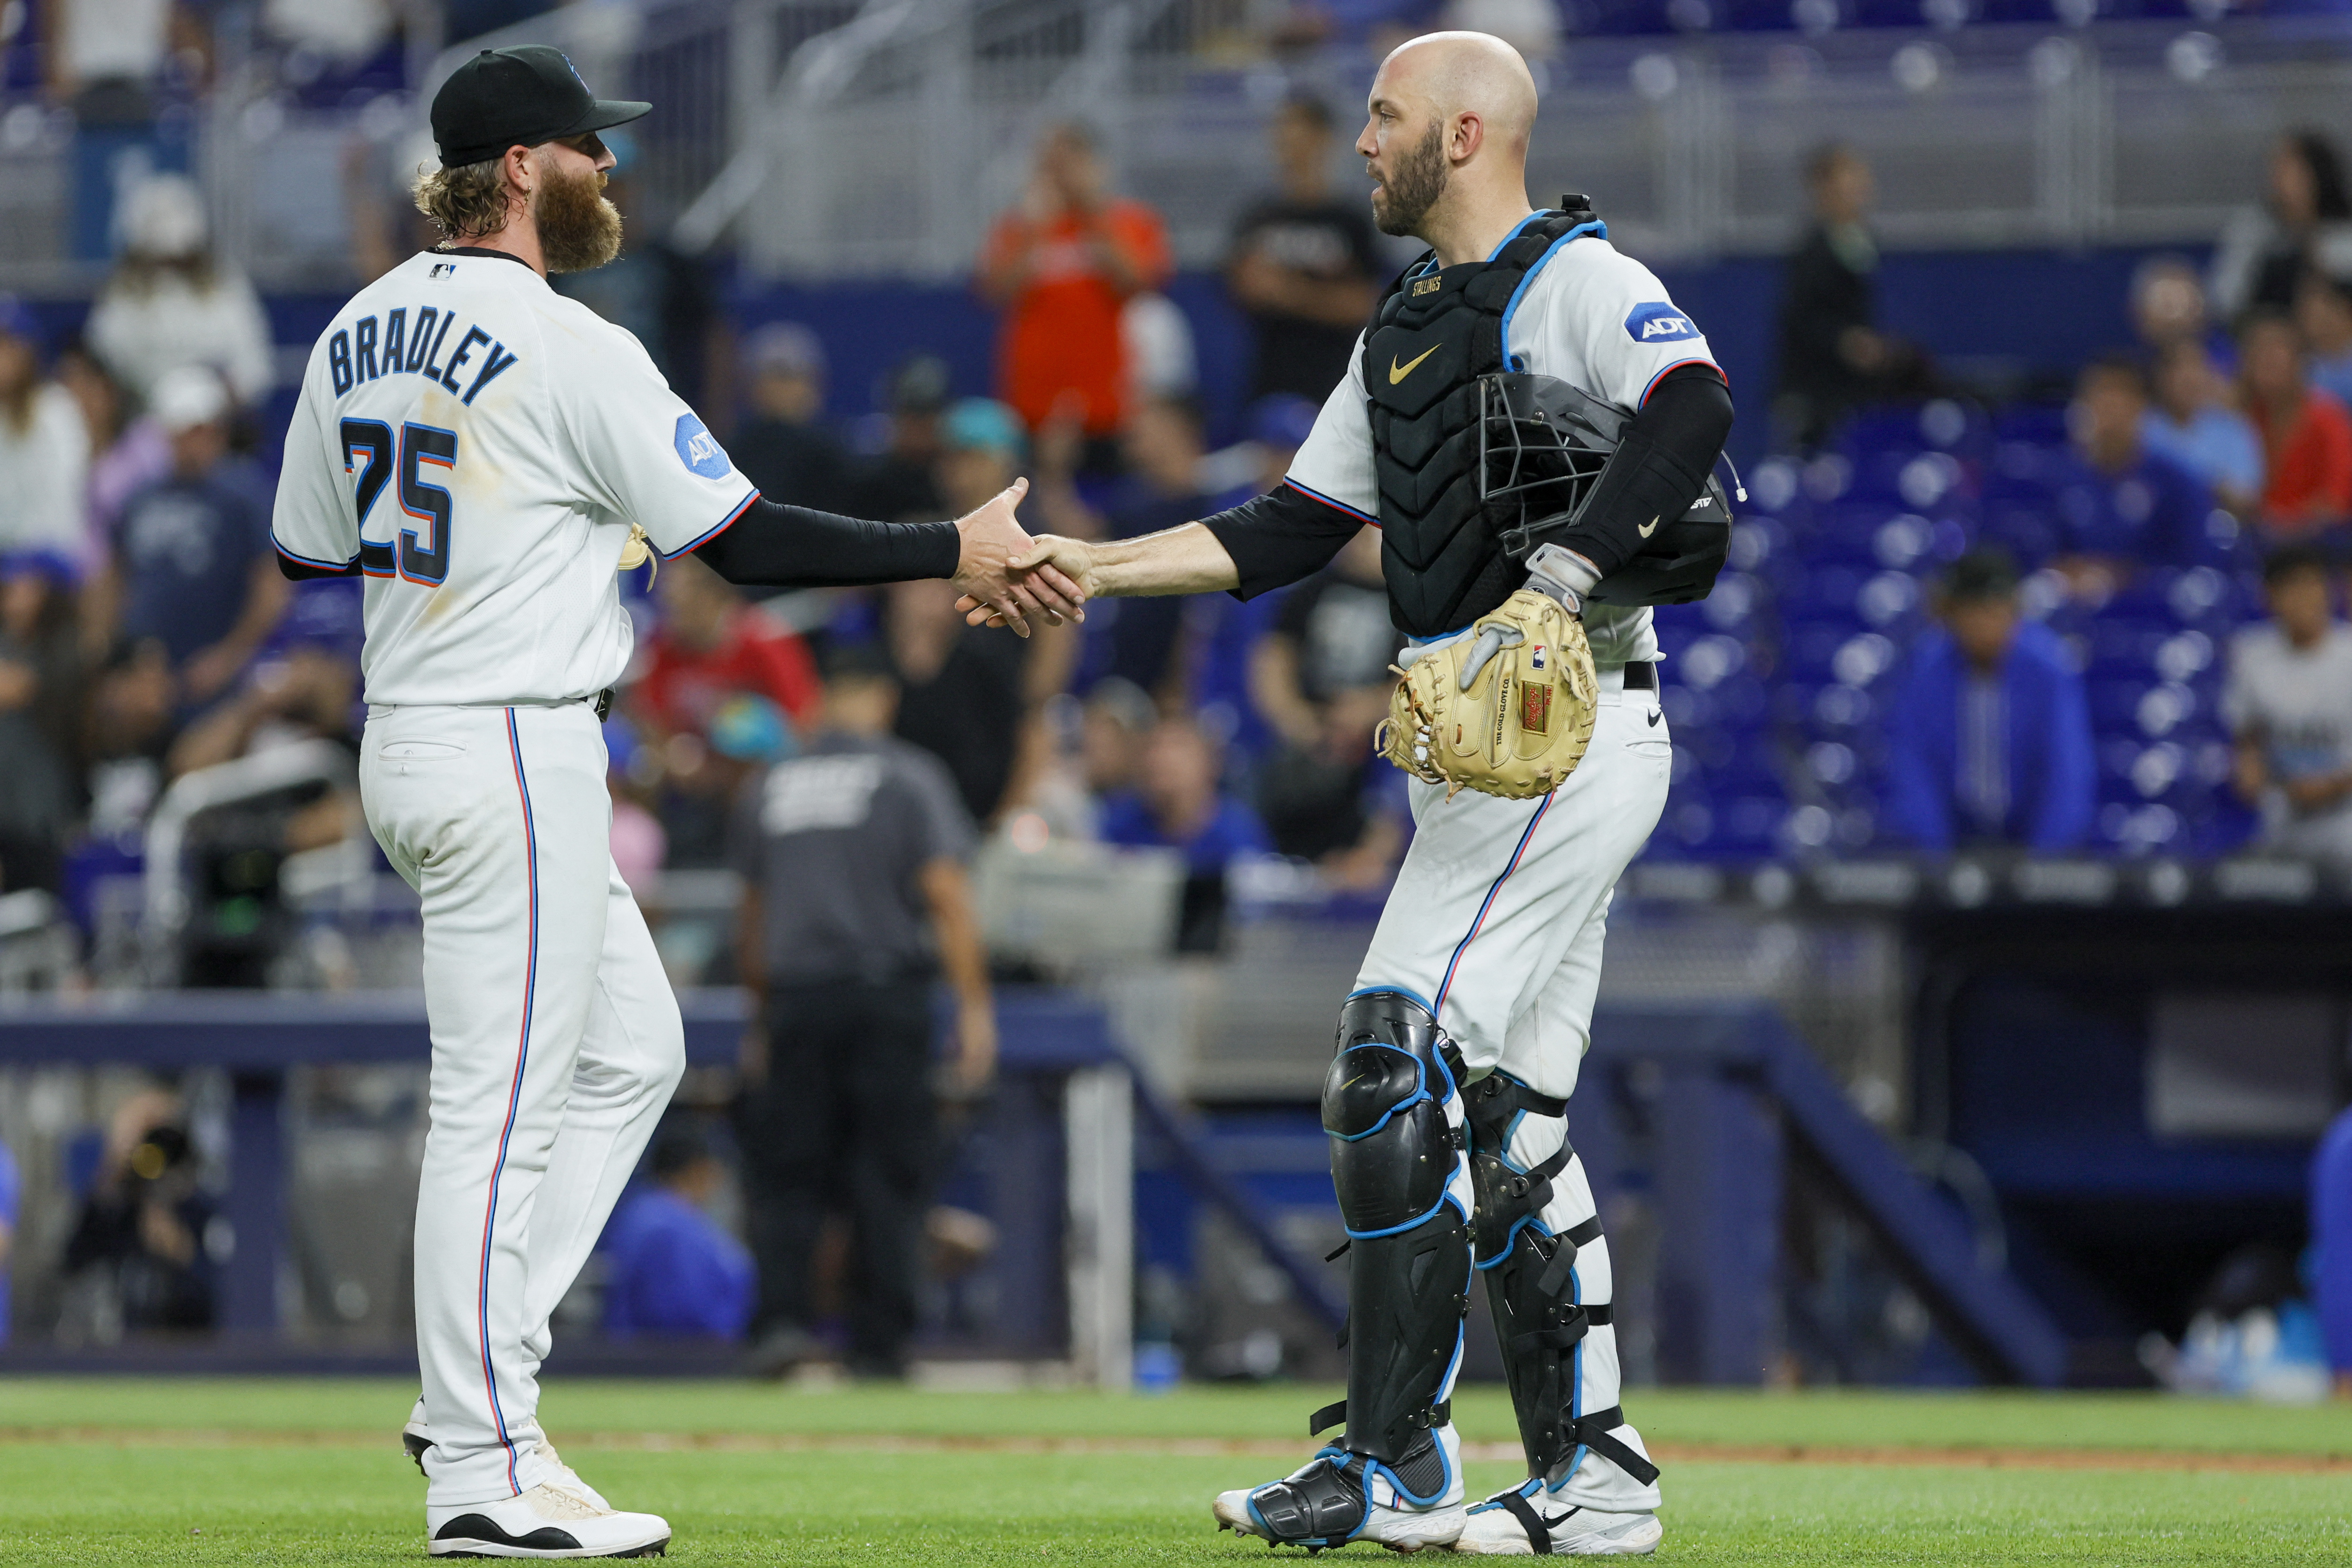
[[1396, 1150]]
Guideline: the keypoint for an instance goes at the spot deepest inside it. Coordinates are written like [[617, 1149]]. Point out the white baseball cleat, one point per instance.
[[1528, 1521], [1326, 1502], [418, 1435], [550, 1520]]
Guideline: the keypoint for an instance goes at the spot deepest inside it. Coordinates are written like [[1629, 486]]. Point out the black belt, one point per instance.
[[1642, 675], [604, 702]]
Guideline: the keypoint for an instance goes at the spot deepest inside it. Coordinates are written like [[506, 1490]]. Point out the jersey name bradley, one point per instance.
[[402, 343]]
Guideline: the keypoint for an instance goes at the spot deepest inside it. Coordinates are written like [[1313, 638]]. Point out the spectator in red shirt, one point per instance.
[[723, 682], [1062, 268], [710, 647], [2307, 434]]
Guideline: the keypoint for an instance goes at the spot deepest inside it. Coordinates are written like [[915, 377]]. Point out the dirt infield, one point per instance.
[[2042, 1458]]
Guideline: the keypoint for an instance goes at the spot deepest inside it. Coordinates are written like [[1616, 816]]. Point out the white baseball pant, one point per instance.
[[556, 1043], [1495, 925]]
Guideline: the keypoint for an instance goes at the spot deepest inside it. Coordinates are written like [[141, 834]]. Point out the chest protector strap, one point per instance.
[[1433, 336]]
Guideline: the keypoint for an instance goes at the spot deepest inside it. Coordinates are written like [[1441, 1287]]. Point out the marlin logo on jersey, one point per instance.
[[1659, 322], [699, 450], [371, 349]]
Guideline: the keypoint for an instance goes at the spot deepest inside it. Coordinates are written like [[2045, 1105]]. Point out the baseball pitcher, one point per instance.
[[486, 455]]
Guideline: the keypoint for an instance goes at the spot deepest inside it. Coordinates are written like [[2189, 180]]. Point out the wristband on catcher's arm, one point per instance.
[[1563, 575]]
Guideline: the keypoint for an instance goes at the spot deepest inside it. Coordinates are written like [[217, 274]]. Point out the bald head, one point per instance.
[[1445, 138], [1466, 73]]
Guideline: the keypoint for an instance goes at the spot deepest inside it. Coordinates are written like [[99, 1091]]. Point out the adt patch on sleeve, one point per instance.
[[699, 450], [1659, 322]]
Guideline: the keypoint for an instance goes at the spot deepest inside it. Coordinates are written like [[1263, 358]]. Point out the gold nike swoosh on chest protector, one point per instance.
[[1399, 371]]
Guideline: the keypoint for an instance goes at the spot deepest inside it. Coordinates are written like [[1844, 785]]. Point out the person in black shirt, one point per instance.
[[971, 698], [785, 448], [140, 1242], [1833, 358], [1321, 678], [1304, 264], [856, 899], [896, 483]]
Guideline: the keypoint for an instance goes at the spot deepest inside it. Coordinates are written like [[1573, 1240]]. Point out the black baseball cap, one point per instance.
[[1986, 572], [518, 97]]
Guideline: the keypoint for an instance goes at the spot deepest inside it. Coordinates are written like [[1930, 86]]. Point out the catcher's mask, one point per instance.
[[1542, 446]]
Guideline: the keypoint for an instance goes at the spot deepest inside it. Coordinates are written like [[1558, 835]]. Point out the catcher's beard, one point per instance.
[[578, 230], [1413, 185]]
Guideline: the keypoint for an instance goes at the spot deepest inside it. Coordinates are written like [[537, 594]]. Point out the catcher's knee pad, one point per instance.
[[1392, 1109], [1531, 1284]]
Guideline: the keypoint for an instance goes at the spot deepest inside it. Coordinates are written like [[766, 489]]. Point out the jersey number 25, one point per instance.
[[420, 557]]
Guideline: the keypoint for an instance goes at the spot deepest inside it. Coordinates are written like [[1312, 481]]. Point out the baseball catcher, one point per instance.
[[1534, 426]]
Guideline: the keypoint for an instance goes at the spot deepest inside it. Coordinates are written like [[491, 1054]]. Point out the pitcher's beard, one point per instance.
[[578, 230], [1414, 182]]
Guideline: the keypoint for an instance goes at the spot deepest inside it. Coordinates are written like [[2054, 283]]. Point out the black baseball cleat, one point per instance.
[[1337, 1496], [550, 1520]]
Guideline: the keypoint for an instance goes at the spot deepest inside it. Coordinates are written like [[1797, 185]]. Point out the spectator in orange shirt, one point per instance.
[[1062, 266], [2307, 434]]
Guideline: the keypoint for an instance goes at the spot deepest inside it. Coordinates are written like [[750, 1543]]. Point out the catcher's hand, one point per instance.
[[1507, 710]]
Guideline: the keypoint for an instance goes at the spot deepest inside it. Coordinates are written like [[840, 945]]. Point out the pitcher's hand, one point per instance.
[[1065, 567], [991, 537]]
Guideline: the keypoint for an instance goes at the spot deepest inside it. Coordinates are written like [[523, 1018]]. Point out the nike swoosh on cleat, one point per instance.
[[1398, 372]]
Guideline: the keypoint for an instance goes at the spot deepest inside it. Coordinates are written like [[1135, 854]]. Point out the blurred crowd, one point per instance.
[[2218, 445], [145, 634]]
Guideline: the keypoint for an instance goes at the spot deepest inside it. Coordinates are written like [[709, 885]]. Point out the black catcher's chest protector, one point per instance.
[[1432, 338]]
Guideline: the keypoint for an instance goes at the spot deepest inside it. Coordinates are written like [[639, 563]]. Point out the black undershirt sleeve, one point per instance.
[[304, 571], [774, 546], [1280, 537], [1661, 464]]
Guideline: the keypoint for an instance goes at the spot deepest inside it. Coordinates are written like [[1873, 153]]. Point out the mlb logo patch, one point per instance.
[[699, 450], [443, 269], [1536, 659], [1535, 708], [1659, 322]]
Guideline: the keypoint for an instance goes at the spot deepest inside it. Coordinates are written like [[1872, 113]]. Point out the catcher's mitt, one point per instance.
[[1507, 710]]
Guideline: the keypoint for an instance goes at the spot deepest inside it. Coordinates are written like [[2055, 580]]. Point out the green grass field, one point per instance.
[[96, 1471]]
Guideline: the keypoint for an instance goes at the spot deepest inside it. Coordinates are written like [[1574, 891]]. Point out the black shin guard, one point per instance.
[[1529, 1287], [1394, 1149]]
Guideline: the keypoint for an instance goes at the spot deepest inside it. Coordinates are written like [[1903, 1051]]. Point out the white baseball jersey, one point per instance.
[[477, 445], [1588, 315]]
